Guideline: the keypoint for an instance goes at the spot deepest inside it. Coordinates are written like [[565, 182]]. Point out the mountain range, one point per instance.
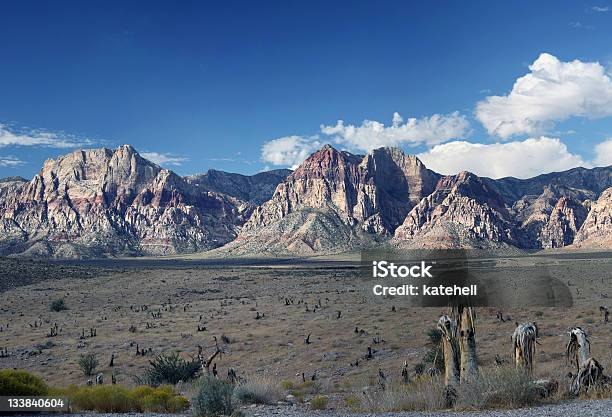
[[103, 202]]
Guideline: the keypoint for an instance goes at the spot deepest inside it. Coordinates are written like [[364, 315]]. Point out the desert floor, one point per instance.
[[159, 305]]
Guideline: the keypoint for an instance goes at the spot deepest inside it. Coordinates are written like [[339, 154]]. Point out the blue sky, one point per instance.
[[243, 86]]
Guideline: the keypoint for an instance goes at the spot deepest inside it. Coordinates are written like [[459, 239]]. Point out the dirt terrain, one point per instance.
[[160, 305]]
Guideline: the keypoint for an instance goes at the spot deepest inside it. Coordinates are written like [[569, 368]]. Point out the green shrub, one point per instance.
[[88, 363], [258, 390], [119, 399], [434, 355], [18, 382], [353, 402], [214, 397], [287, 385], [58, 305], [318, 403], [161, 399], [103, 399], [170, 369]]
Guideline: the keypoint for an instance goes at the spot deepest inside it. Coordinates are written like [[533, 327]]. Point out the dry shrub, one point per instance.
[[318, 403], [260, 389], [504, 387], [424, 394]]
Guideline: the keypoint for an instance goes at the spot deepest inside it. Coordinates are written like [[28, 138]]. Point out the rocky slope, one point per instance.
[[462, 212], [255, 189], [374, 192], [392, 197], [114, 202], [596, 231], [105, 202]]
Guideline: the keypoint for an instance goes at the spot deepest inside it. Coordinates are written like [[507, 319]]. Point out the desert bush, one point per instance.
[[18, 382], [58, 305], [88, 363], [434, 355], [170, 369], [287, 385], [213, 397], [120, 399], [424, 394], [504, 387], [46, 345], [306, 387], [158, 400], [103, 399], [353, 402], [318, 403], [258, 390]]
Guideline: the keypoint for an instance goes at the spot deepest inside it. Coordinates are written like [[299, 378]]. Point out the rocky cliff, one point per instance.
[[106, 202], [596, 231], [386, 196]]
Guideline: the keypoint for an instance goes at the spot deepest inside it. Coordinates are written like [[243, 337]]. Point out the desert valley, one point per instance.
[[260, 271]]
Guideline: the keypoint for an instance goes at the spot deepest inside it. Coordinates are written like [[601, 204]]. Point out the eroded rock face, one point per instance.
[[596, 231], [565, 219], [106, 202], [461, 212], [374, 192], [551, 219], [395, 199], [255, 189], [111, 202]]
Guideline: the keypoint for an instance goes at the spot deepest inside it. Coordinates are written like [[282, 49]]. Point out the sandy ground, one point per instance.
[[160, 307]]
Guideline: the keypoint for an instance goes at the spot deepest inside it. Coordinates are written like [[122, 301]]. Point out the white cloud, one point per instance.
[[10, 161], [521, 159], [603, 153], [289, 150], [600, 9], [164, 158], [552, 91], [372, 134], [38, 137]]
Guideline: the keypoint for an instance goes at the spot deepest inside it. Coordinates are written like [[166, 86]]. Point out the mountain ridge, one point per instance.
[[105, 202]]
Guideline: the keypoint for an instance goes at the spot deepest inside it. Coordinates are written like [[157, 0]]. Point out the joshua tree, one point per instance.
[[450, 348], [467, 342], [578, 348], [589, 375], [589, 371], [523, 345]]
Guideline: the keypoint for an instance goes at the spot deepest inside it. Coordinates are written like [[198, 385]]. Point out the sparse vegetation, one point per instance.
[[319, 402], [434, 357], [505, 387], [170, 369], [425, 394], [353, 402], [258, 390], [19, 382], [302, 389], [88, 363], [213, 398], [334, 364], [58, 305]]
